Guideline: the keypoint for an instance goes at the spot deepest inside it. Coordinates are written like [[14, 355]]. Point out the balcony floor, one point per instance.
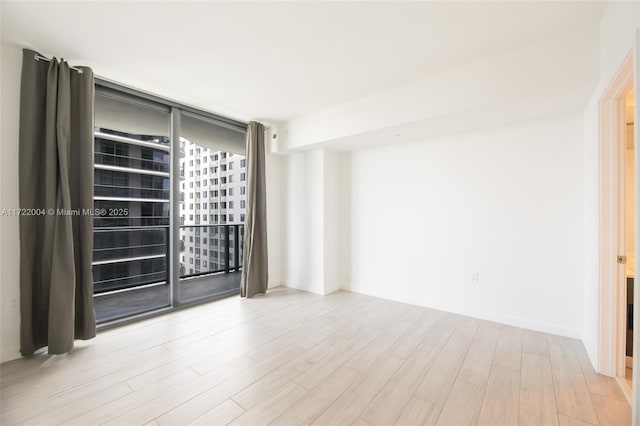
[[119, 305]]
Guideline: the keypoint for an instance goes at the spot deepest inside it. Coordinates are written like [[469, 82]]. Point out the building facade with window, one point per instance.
[[131, 201], [212, 208]]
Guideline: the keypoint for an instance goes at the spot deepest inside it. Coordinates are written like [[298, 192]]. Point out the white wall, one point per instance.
[[616, 39], [332, 237], [312, 249], [304, 233], [505, 203], [274, 178], [343, 196], [10, 66]]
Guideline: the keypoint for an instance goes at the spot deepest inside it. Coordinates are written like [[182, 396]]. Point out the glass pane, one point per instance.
[[131, 198], [212, 209]]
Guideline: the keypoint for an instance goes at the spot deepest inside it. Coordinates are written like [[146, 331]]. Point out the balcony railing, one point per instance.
[[128, 251], [130, 162], [227, 256], [132, 257], [127, 258], [129, 281], [129, 221], [130, 192]]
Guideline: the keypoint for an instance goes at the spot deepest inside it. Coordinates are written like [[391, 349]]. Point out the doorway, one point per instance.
[[628, 233], [617, 194]]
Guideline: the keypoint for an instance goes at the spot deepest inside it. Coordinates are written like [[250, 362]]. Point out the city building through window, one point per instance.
[[135, 215]]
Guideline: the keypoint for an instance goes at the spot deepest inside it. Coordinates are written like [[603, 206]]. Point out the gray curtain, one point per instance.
[[255, 271], [56, 174]]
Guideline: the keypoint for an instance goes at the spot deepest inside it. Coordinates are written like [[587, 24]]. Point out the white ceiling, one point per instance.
[[276, 61]]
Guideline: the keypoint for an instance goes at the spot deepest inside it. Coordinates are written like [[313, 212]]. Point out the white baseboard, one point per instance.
[[488, 316], [525, 323], [9, 355], [275, 284], [332, 288], [298, 286], [294, 285]]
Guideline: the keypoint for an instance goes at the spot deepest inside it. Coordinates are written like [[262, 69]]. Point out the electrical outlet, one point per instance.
[[475, 278], [13, 304]]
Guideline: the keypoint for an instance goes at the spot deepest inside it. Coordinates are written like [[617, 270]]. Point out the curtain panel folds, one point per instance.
[[255, 271], [56, 181]]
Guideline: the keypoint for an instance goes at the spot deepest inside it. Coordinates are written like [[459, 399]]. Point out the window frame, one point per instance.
[[176, 111]]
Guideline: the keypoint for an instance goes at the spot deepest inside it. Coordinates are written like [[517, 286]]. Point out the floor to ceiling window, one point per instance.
[[135, 174], [212, 205]]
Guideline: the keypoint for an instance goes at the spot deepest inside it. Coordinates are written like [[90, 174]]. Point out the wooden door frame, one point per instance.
[[611, 181], [635, 398]]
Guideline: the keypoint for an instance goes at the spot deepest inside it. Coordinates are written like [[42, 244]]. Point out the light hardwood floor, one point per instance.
[[293, 358]]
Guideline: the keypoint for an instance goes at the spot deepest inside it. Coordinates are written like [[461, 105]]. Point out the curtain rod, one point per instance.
[[39, 57]]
